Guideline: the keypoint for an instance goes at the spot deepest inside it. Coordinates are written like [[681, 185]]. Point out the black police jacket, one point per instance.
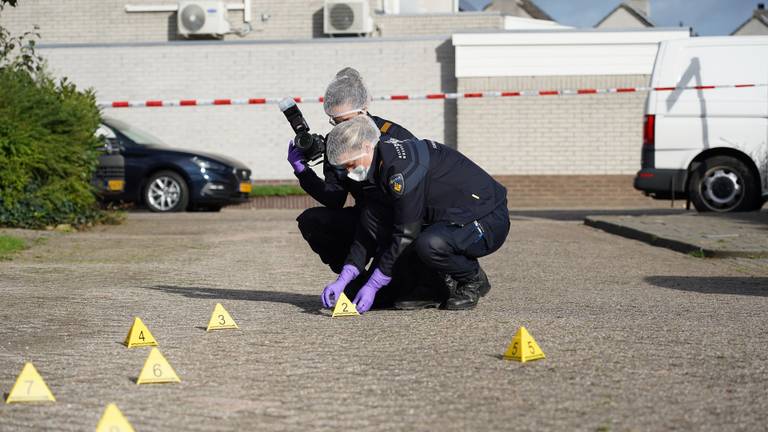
[[423, 182], [332, 192]]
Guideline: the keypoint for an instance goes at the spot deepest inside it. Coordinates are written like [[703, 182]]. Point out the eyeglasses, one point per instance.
[[333, 120], [343, 164]]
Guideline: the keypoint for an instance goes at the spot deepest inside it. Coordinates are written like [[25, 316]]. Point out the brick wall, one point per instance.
[[588, 134], [106, 21], [258, 134], [401, 25], [574, 191], [103, 21], [557, 151]]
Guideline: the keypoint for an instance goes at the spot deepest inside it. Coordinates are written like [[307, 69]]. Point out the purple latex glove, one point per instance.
[[364, 298], [296, 158], [332, 292]]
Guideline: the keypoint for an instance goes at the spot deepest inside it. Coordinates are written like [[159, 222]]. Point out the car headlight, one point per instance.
[[208, 165]]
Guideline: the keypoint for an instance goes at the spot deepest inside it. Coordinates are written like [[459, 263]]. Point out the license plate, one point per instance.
[[245, 187], [116, 185]]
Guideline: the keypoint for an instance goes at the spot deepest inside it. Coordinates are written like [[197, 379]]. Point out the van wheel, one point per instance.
[[724, 184], [166, 192]]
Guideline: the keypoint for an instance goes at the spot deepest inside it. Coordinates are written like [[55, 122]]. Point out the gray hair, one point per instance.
[[349, 72], [346, 92], [348, 138]]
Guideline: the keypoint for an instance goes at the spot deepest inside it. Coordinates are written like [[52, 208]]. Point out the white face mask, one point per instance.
[[358, 174]]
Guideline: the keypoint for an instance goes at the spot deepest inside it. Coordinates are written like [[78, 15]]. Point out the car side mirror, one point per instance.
[[114, 146], [109, 140], [109, 146]]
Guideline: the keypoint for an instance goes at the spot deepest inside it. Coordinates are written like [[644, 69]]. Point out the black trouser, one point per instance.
[[330, 233], [453, 249], [409, 274]]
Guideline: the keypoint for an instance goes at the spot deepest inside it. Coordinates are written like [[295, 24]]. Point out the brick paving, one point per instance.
[[636, 337], [712, 235]]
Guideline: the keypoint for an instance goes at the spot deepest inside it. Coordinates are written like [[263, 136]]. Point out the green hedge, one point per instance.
[[48, 151], [276, 190]]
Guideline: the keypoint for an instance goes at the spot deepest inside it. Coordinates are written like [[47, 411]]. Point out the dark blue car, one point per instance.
[[167, 179]]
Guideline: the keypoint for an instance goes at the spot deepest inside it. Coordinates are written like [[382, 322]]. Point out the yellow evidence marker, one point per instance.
[[344, 307], [157, 370], [30, 387], [113, 421], [220, 319], [523, 348], [139, 335]]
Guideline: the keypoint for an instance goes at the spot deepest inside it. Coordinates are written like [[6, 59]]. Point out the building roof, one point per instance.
[[632, 11], [534, 11], [760, 15], [526, 5]]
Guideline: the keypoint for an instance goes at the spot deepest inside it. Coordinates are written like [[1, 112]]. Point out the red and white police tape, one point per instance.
[[402, 97]]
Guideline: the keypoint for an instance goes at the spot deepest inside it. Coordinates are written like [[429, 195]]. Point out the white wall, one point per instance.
[[103, 21], [518, 23], [258, 134], [559, 52], [428, 6], [555, 135]]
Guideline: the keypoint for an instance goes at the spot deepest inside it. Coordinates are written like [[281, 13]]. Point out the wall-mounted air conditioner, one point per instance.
[[202, 17], [347, 17]]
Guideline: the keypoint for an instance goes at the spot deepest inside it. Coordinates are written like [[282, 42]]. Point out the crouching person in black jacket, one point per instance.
[[434, 201]]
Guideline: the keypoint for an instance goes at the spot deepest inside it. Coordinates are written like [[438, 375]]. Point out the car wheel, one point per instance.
[[724, 184], [166, 191]]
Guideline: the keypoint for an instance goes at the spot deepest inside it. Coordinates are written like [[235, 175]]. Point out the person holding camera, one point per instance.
[[436, 203], [329, 230]]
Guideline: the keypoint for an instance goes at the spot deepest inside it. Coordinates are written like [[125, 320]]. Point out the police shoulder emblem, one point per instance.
[[397, 184]]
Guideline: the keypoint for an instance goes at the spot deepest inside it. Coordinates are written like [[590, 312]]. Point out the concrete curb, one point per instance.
[[669, 243]]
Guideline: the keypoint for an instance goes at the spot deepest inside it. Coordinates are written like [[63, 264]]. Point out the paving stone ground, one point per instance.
[[636, 337], [712, 234]]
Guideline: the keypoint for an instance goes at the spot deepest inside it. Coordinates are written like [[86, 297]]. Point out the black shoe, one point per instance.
[[424, 296], [467, 293], [485, 284], [416, 304]]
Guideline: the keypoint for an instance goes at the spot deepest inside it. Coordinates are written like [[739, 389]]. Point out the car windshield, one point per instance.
[[136, 135]]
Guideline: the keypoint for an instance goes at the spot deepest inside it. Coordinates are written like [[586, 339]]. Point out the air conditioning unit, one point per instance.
[[347, 17], [202, 17]]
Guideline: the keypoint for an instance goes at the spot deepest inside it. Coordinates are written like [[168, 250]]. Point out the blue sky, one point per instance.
[[707, 17]]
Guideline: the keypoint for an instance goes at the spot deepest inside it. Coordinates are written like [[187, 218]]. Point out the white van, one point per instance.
[[709, 145]]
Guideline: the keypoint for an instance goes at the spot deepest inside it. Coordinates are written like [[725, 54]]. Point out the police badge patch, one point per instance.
[[397, 184]]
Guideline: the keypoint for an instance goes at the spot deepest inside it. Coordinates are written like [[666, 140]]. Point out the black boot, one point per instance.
[[419, 299], [468, 292], [485, 284], [430, 292]]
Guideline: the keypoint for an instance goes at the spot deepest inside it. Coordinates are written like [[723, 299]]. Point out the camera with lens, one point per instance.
[[312, 146]]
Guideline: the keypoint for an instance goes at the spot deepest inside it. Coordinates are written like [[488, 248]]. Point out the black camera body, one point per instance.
[[312, 146]]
